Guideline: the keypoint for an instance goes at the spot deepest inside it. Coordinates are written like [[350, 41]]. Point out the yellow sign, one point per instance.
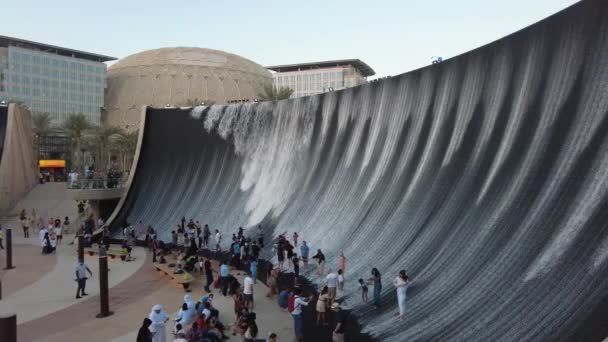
[[51, 163]]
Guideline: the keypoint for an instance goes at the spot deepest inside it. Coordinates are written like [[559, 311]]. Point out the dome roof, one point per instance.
[[179, 76], [191, 56]]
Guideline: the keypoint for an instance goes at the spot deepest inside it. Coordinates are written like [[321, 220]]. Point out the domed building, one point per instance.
[[179, 76]]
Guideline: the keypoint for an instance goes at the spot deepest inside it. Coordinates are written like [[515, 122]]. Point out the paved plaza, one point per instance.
[[41, 288]]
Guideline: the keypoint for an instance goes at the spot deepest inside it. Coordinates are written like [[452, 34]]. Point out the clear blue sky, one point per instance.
[[391, 36]]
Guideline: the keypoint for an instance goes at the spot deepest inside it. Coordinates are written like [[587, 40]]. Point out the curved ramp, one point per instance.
[[485, 177], [18, 168]]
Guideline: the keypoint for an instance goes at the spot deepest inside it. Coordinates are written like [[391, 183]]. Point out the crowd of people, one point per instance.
[[199, 321], [50, 233]]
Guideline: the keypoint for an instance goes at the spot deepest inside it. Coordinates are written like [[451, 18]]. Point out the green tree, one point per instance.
[[272, 93], [74, 126], [41, 123], [124, 146], [99, 140]]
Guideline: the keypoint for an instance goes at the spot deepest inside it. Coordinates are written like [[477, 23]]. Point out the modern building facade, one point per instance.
[[179, 76], [52, 79], [319, 77]]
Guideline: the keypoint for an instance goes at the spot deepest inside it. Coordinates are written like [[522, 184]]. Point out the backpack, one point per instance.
[[291, 303]]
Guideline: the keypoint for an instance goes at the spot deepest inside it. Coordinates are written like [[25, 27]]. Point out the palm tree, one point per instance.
[[272, 93], [124, 145], [100, 139], [41, 123], [74, 126]]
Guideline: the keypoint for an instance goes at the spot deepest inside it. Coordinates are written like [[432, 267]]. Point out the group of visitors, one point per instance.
[[199, 321], [50, 233], [244, 251]]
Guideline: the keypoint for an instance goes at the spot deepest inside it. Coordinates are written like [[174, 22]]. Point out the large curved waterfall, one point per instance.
[[485, 177]]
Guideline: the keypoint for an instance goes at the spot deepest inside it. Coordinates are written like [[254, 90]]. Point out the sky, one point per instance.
[[390, 36]]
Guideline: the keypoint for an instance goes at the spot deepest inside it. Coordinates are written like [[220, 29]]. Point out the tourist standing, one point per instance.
[[402, 283], [377, 279], [280, 255], [253, 267], [248, 291], [208, 275], [58, 232], [321, 260], [342, 263], [332, 283], [295, 239], [364, 290], [158, 317], [25, 224], [304, 254], [218, 240], [224, 277], [296, 313], [322, 305], [81, 278], [296, 265], [206, 234], [66, 225], [144, 334], [260, 236]]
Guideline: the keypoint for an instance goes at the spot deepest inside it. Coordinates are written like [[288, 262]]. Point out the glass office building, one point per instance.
[[315, 78], [51, 79]]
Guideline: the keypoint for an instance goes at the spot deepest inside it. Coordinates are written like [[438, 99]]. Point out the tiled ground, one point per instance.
[[41, 288]]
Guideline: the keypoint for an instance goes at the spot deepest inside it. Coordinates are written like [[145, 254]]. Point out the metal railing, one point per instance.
[[97, 182]]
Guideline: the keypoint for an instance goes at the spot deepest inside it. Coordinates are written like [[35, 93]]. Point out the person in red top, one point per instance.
[[201, 322]]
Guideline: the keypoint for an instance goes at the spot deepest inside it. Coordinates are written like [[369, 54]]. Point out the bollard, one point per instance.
[[104, 296], [8, 328], [9, 248], [80, 249]]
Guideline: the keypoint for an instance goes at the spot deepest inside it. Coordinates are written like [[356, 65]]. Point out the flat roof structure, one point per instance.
[[358, 64], [27, 44]]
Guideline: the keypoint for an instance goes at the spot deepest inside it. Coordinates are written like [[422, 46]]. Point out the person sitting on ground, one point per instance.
[[180, 334], [284, 298], [194, 334], [189, 264]]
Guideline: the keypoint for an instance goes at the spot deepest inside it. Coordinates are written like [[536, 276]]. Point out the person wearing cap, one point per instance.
[[341, 319]]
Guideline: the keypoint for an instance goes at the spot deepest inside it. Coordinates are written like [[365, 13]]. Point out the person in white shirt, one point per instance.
[[58, 234], [332, 283], [248, 291], [298, 323], [218, 240]]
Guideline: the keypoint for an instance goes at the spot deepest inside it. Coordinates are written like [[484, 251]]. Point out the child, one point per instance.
[[340, 280], [363, 290], [201, 266]]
